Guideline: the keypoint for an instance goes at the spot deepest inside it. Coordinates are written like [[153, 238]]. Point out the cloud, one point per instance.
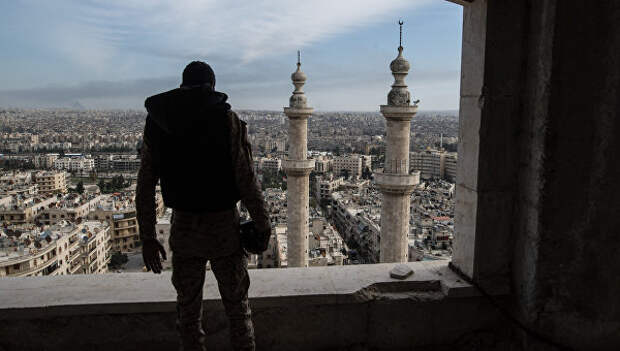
[[95, 93], [240, 30], [256, 89], [113, 43]]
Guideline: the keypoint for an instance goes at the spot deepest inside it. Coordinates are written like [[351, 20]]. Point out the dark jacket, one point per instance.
[[188, 131], [198, 148]]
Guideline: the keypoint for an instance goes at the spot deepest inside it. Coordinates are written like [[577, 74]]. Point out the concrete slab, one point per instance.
[[143, 292]]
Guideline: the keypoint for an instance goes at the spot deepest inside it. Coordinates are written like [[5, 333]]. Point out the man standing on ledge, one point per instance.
[[198, 149]]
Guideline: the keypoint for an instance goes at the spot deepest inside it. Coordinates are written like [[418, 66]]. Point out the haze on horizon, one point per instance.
[[113, 54]]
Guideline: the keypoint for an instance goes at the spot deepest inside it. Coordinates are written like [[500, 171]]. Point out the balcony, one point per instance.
[[348, 307], [33, 269], [123, 225], [75, 268], [74, 255], [74, 243]]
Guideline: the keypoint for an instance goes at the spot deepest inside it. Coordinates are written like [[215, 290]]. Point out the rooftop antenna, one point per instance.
[[400, 23]]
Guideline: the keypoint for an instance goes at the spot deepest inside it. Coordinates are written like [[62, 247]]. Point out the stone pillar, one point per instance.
[[395, 183], [297, 168]]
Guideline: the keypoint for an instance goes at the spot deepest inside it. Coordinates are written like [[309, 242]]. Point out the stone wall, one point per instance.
[[567, 280], [322, 308], [537, 191]]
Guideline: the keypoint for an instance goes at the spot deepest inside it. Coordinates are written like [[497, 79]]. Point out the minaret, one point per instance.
[[395, 183], [297, 167]]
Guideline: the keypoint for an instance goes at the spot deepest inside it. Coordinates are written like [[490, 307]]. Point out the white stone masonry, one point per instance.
[[395, 183], [298, 167]]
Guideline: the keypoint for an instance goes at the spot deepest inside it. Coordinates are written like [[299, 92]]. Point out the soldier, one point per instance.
[[197, 147]]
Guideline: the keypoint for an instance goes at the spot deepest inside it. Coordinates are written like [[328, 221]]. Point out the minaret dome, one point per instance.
[[298, 99]]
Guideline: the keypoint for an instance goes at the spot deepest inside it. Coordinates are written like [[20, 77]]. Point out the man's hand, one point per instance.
[[151, 248]]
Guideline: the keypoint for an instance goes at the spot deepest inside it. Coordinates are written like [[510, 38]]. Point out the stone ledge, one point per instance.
[[146, 292], [398, 113], [298, 113], [304, 309], [298, 167], [396, 183]]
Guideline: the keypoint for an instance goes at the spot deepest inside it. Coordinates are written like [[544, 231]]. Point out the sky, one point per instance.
[[112, 54]]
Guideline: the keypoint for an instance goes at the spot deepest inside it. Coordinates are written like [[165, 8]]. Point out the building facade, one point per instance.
[[326, 185], [434, 164], [51, 182], [351, 164], [72, 207], [119, 211], [59, 249], [22, 210]]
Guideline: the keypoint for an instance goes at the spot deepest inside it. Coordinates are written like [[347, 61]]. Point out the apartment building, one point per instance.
[[326, 185], [275, 203], [72, 207], [351, 163], [275, 255], [19, 209], [125, 163], [45, 161], [51, 182], [358, 223], [322, 164], [103, 162], [24, 190], [60, 249], [119, 211], [75, 163], [17, 183], [16, 178], [267, 164], [434, 164], [325, 246], [451, 159], [366, 161]]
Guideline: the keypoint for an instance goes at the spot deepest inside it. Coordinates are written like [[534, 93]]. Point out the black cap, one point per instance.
[[198, 73]]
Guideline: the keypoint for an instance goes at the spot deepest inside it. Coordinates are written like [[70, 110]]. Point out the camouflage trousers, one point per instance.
[[188, 233]]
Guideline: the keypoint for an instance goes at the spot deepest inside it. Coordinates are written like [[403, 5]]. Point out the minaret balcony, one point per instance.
[[396, 183], [294, 167], [295, 112], [404, 113]]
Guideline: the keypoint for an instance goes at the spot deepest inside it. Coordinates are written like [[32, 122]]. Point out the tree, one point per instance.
[[101, 185], [118, 259], [80, 187]]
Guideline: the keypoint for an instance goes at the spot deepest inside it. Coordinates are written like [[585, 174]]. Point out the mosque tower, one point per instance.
[[395, 183], [297, 167]]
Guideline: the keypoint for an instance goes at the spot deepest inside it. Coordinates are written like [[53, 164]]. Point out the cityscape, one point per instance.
[[64, 169], [310, 176]]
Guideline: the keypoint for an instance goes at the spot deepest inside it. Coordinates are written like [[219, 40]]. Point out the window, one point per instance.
[[345, 162]]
